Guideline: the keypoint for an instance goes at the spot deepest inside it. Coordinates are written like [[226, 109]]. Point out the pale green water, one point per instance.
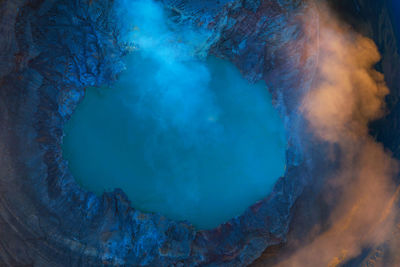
[[193, 142]]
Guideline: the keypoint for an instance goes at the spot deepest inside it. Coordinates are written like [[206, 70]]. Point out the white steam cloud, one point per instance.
[[176, 48]]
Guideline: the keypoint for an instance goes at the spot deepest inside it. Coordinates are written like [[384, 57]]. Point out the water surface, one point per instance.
[[199, 149]]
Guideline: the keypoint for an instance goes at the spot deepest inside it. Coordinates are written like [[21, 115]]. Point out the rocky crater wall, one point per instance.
[[51, 50]]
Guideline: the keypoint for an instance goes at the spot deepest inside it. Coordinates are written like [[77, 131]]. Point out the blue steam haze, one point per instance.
[[182, 135]]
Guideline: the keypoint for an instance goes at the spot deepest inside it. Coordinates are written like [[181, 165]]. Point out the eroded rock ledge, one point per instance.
[[51, 50]]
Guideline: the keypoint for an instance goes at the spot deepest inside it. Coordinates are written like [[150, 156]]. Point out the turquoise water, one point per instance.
[[197, 149]]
